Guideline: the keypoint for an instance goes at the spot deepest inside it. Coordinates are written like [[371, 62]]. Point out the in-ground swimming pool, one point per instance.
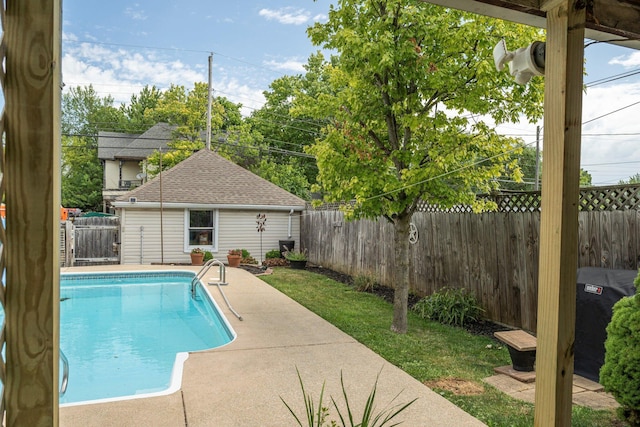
[[126, 334]]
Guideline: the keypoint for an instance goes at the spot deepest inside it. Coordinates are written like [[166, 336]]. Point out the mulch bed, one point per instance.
[[481, 327]]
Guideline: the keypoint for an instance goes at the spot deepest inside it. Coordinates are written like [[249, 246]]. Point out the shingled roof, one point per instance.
[[206, 178], [114, 145]]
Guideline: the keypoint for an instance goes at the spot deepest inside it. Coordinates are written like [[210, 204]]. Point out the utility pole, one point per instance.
[[209, 103], [537, 183]]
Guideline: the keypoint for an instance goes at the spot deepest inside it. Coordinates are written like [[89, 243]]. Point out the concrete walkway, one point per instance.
[[242, 383]]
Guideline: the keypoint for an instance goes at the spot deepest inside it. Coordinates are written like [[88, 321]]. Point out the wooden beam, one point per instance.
[[612, 21], [32, 176], [559, 216]]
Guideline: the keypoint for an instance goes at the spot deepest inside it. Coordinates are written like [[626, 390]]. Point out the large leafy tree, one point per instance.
[[187, 110], [139, 111], [285, 134], [408, 78], [84, 114]]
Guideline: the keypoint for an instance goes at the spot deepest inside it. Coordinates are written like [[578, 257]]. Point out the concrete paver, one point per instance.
[[242, 384], [584, 391]]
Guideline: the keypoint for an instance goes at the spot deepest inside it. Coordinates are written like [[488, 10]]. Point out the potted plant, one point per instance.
[[197, 256], [234, 256], [297, 259]]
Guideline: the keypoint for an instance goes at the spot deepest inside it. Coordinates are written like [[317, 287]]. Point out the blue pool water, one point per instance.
[[122, 332]]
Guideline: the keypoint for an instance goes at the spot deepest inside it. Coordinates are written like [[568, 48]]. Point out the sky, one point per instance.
[[119, 47]]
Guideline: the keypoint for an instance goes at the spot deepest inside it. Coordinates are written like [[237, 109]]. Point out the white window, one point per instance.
[[201, 228]]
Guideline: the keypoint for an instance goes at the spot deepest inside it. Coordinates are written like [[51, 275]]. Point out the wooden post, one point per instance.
[[32, 176], [559, 216]]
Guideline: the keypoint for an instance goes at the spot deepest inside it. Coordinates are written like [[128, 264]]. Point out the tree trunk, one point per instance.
[[401, 273]]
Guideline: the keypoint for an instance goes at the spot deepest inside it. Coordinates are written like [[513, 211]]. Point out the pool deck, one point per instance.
[[242, 384]]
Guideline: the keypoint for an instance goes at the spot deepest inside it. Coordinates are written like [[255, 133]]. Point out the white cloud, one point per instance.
[[631, 60], [287, 65], [609, 149], [320, 17], [122, 73], [286, 15], [251, 98], [135, 13]]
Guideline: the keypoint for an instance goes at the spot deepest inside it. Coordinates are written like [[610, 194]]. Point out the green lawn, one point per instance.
[[429, 351]]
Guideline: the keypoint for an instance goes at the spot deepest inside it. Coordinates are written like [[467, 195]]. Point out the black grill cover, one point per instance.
[[598, 289]]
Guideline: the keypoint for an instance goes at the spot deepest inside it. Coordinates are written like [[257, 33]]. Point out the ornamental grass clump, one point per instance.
[[620, 374], [449, 306], [317, 416]]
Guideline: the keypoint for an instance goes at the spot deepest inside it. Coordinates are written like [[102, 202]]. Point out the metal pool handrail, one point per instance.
[[207, 265], [65, 373]]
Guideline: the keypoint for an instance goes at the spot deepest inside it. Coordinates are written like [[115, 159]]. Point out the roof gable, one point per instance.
[[155, 138], [111, 143], [206, 178]]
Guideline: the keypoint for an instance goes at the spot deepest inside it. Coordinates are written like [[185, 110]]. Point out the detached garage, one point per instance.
[[205, 202]]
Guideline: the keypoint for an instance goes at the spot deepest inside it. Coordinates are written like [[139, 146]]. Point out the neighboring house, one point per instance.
[[209, 202], [123, 158]]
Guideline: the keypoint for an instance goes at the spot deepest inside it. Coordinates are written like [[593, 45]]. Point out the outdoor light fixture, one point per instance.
[[524, 63]]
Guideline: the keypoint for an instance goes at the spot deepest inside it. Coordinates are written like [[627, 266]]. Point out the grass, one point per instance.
[[429, 351]]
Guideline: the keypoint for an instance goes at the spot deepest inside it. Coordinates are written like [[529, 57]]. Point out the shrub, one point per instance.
[[273, 253], [363, 283], [620, 374], [207, 256], [296, 255], [449, 306]]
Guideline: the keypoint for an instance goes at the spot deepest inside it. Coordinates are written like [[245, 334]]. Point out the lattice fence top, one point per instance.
[[615, 198]]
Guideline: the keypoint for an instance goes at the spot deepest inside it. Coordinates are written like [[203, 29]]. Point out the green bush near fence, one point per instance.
[[620, 373], [449, 306]]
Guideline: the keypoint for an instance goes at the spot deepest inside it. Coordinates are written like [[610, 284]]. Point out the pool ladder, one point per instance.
[[65, 373], [222, 273]]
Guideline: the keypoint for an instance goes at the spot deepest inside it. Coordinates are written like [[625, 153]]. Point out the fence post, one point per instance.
[[70, 239]]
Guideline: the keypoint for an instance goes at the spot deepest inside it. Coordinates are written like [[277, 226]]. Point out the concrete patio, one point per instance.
[[242, 383]]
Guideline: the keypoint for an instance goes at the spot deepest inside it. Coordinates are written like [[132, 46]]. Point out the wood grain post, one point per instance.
[[32, 123], [559, 216]]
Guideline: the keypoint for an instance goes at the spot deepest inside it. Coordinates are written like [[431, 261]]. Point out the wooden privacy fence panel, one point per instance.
[[96, 240], [494, 255]]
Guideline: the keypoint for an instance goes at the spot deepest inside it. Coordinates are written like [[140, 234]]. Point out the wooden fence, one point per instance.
[[493, 254], [90, 241]]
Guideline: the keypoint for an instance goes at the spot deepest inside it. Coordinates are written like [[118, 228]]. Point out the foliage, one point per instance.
[[241, 145], [197, 251], [235, 252], [635, 179], [449, 306], [84, 114], [187, 110], [363, 283], [428, 351], [585, 178], [295, 255], [139, 111], [289, 176], [369, 418], [208, 256], [285, 134], [620, 373], [273, 253], [401, 93]]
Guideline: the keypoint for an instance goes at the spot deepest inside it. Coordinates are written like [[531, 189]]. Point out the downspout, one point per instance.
[[141, 242], [289, 229]]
